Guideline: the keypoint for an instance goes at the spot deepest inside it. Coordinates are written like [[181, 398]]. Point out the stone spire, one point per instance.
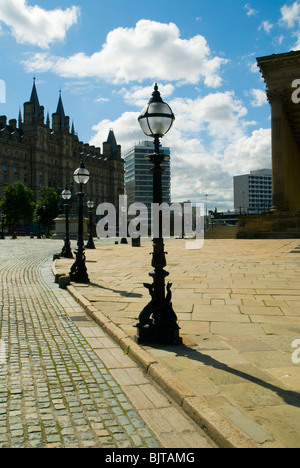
[[35, 100], [60, 110], [113, 142], [20, 118]]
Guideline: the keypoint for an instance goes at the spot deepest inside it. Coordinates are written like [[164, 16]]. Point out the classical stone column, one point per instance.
[[279, 160]]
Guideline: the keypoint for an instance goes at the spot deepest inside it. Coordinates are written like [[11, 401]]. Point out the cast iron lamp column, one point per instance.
[[90, 244], [39, 227], [66, 251], [2, 237], [158, 321], [78, 272]]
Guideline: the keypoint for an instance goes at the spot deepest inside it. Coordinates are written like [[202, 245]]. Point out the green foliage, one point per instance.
[[47, 207], [17, 203]]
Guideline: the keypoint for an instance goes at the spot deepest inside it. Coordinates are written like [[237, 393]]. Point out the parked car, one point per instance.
[[20, 232]]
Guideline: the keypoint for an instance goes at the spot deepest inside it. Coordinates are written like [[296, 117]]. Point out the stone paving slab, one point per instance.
[[63, 382], [238, 304]]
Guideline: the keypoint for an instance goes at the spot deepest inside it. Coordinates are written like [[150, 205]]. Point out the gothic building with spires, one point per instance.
[[40, 154]]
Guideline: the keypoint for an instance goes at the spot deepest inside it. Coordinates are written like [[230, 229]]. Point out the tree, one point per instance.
[[47, 208], [17, 204]]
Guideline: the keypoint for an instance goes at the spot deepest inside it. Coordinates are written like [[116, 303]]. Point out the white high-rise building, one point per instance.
[[253, 192], [139, 177]]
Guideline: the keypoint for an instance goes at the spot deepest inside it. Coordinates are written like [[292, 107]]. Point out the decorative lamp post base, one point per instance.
[[66, 251], [90, 244], [152, 334], [78, 273], [158, 321]]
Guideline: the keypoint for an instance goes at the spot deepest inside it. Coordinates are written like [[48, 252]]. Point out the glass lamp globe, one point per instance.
[[90, 204], [156, 118], [66, 194], [81, 175]]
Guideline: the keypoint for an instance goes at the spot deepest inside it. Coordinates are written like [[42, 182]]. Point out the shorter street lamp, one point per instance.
[[2, 237], [78, 272], [158, 321], [39, 227], [90, 244], [66, 250]]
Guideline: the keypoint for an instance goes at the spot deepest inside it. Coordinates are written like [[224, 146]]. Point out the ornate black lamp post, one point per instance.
[[158, 321], [66, 250], [78, 272], [90, 244]]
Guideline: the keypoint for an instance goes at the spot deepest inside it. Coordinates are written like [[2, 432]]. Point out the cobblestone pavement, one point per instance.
[[54, 389], [238, 307]]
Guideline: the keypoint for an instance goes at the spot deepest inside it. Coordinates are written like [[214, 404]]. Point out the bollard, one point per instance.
[[64, 281], [136, 242]]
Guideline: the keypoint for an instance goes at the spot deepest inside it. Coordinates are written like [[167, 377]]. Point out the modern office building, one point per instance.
[[253, 192], [139, 177]]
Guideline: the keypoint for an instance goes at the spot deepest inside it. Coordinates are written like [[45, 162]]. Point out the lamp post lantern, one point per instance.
[[66, 250], [158, 321], [90, 244], [78, 272]]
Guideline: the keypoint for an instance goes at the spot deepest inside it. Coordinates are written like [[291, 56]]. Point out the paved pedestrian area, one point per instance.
[[238, 306], [55, 388]]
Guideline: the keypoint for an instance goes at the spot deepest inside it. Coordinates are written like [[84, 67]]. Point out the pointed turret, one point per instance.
[[60, 110], [20, 118], [59, 119], [111, 148], [35, 100], [113, 142], [32, 109]]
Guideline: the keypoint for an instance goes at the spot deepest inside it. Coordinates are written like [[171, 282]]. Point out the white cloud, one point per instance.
[[249, 152], [260, 97], [253, 67], [139, 96], [291, 14], [126, 129], [101, 99], [34, 25], [266, 26], [250, 11], [290, 17], [151, 50]]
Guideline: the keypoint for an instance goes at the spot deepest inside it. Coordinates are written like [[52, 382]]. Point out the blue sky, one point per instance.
[[106, 56]]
